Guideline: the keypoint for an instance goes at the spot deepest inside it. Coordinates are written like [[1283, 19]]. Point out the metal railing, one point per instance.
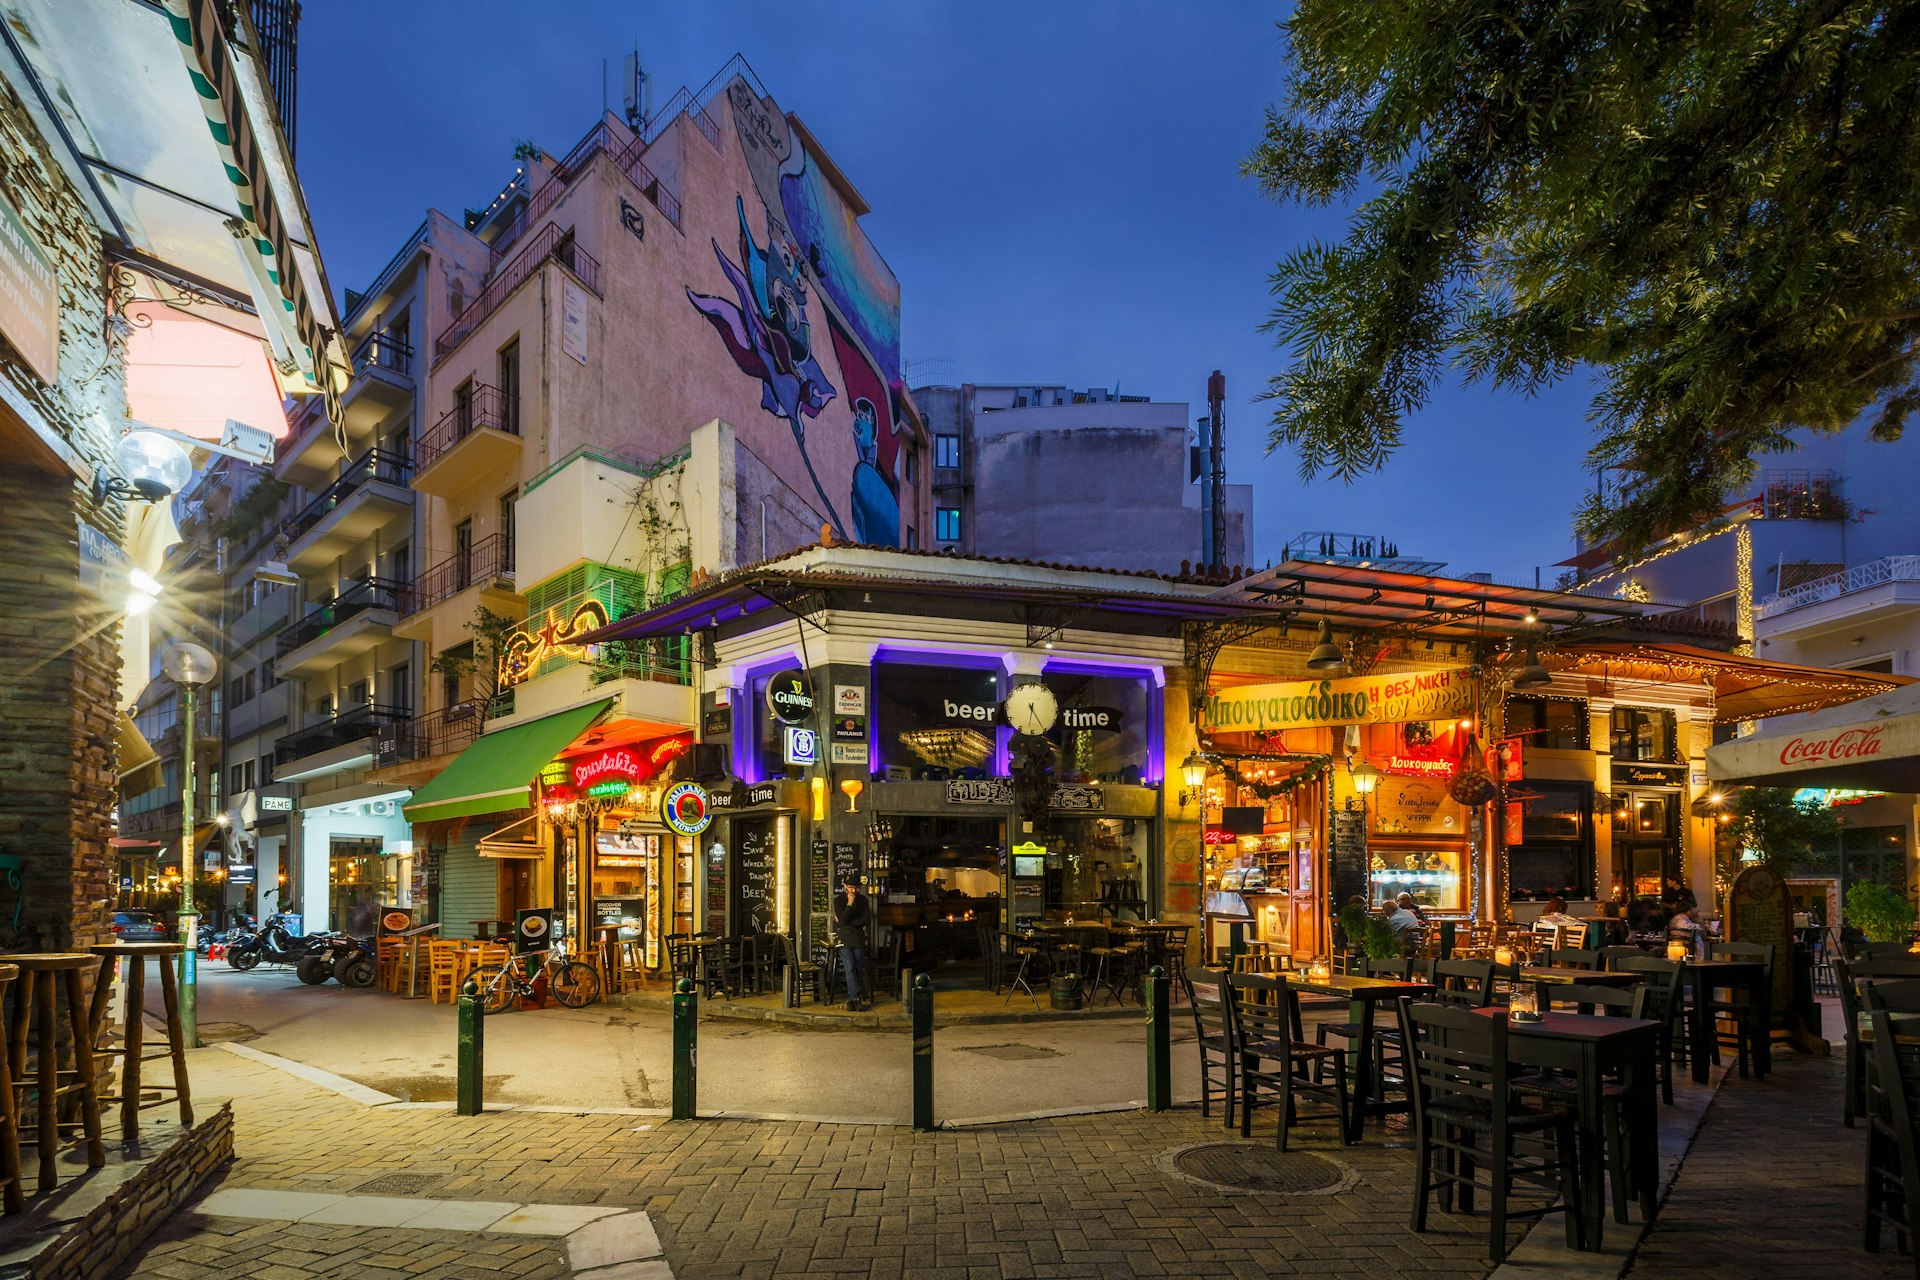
[[1862, 576], [486, 408], [1787, 494], [370, 593], [349, 726], [436, 733], [485, 560], [552, 242], [383, 351], [374, 464], [599, 138], [386, 276]]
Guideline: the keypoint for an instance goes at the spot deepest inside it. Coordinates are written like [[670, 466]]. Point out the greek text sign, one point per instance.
[[29, 296], [1371, 699]]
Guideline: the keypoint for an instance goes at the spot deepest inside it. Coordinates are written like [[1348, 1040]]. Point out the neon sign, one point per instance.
[[525, 649], [1421, 766]]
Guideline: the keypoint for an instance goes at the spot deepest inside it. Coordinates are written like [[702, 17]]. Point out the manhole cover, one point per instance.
[[1011, 1052], [1234, 1166], [399, 1184]]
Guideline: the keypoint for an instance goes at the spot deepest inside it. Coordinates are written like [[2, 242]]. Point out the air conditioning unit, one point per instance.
[[381, 808], [460, 711]]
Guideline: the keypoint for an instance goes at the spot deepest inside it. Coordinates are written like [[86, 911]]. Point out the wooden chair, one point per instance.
[[1632, 1154], [12, 1197], [1612, 956], [1473, 1133], [1213, 1035], [1275, 1064], [1879, 951], [1467, 983], [800, 974], [389, 952], [1662, 981], [1576, 958], [1893, 1132], [1737, 1007], [443, 970]]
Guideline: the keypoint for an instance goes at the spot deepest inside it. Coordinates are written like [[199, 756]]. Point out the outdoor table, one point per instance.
[[1571, 977], [1590, 1048], [1363, 996], [1702, 976]]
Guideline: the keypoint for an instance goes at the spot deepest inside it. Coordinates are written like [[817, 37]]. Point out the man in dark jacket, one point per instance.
[[853, 921]]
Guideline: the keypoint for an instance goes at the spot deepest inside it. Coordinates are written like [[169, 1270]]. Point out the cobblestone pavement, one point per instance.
[[194, 1247], [1771, 1187], [1080, 1196]]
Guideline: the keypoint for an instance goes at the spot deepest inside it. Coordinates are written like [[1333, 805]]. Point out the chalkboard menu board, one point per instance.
[[716, 884], [819, 891], [756, 903], [1349, 856], [846, 862]]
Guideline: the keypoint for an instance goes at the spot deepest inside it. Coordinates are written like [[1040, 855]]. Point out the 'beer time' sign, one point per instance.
[[1373, 699]]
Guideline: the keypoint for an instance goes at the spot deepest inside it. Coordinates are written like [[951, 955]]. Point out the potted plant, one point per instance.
[[1880, 913]]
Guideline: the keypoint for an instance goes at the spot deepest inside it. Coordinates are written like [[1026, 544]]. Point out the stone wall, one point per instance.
[[95, 1246]]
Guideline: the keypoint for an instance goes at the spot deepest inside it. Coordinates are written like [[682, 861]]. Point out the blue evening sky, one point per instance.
[[1056, 185]]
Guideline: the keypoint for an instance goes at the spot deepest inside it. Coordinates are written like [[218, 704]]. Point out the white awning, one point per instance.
[[1872, 744]]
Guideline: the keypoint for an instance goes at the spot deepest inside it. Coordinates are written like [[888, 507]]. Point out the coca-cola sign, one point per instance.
[[1849, 744]]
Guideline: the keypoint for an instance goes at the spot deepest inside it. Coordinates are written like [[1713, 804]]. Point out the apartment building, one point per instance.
[[1084, 477], [667, 352]]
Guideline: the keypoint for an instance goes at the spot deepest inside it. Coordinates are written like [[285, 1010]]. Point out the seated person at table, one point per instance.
[[1684, 924], [1406, 923], [1556, 906]]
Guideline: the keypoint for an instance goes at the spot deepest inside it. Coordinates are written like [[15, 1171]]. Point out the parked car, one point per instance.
[[138, 926]]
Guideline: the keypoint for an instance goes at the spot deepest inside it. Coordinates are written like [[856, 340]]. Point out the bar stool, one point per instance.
[[10, 1193], [133, 1035], [34, 1001]]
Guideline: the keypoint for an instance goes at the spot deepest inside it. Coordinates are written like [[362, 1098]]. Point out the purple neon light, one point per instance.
[[966, 660], [1155, 770], [746, 740]]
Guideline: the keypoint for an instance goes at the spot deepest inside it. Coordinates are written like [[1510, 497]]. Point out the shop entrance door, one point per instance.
[[1646, 844]]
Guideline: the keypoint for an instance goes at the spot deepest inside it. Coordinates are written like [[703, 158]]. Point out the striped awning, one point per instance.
[[296, 333]]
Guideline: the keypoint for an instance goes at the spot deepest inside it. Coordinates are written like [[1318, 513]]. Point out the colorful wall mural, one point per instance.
[[815, 255]]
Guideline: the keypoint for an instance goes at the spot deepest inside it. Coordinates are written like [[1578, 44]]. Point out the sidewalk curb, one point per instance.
[[312, 1075]]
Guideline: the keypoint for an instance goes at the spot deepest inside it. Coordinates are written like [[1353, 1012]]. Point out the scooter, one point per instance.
[[273, 944], [347, 960], [243, 926]]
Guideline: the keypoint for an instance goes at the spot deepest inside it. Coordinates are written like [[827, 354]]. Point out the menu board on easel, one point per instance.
[[1349, 856], [756, 904], [819, 892]]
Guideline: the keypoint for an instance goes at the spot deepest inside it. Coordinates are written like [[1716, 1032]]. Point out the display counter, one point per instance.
[[1433, 871]]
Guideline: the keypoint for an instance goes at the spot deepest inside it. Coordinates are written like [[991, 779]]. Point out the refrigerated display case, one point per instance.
[[1433, 871]]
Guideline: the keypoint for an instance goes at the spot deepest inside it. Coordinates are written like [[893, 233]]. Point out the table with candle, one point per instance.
[[1364, 996]]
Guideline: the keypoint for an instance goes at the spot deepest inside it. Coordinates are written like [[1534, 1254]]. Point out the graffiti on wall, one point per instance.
[[815, 255]]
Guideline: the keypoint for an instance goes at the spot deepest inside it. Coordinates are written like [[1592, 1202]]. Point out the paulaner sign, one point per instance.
[[1371, 699]]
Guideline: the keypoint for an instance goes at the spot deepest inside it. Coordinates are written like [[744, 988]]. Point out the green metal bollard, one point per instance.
[[470, 1055], [685, 1037], [1159, 1042], [920, 1007]]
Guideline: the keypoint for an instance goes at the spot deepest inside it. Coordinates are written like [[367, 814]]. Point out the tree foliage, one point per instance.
[[478, 659], [1716, 206], [1781, 830]]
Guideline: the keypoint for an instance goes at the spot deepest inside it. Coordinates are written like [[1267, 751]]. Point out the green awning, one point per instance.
[[496, 773]]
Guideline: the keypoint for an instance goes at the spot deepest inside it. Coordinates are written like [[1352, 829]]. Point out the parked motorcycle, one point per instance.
[[243, 926], [275, 943], [347, 960]]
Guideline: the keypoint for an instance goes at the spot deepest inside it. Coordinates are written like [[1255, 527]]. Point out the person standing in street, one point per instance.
[[853, 921]]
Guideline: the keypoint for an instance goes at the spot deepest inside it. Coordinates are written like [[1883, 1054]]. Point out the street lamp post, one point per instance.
[[189, 666]]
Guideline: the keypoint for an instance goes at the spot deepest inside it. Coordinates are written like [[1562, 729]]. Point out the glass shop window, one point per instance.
[[935, 721], [1644, 735], [1101, 732]]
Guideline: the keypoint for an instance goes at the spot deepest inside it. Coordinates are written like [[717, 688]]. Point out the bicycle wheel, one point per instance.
[[575, 984], [496, 989]]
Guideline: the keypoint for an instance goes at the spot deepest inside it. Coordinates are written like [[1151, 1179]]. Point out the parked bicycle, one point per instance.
[[574, 983]]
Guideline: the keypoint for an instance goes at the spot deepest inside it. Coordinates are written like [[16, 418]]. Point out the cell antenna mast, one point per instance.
[[1217, 467], [635, 85]]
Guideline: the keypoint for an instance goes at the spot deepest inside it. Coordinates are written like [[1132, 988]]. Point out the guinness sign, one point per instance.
[[790, 696]]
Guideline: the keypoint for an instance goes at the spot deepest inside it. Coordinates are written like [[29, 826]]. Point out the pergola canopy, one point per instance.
[[1743, 688]]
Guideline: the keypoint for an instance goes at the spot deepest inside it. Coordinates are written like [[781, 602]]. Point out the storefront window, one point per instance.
[[1642, 735], [365, 875], [1103, 730], [1089, 860], [935, 722], [1550, 724], [1554, 854]]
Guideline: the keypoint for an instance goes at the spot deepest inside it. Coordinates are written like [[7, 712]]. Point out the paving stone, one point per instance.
[[627, 1237]]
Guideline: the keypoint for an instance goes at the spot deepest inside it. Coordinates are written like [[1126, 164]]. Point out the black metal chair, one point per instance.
[[1631, 1157], [883, 967], [1611, 956], [1275, 1064], [1213, 1034], [1893, 1132], [1666, 1005], [804, 974], [1472, 1131], [1030, 964]]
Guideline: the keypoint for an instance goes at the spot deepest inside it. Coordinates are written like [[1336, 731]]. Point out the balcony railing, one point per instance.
[[488, 408], [1834, 585], [1801, 495], [438, 733], [349, 726], [383, 351], [371, 593], [485, 560], [374, 464], [600, 138], [553, 242]]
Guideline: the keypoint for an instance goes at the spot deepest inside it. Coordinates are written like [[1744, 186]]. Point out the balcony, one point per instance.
[[368, 496], [553, 243], [311, 451], [163, 823], [438, 733], [343, 742], [355, 621], [1865, 593], [478, 437], [487, 564], [382, 381]]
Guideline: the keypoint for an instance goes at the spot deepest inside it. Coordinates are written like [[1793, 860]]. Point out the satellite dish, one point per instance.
[[188, 663]]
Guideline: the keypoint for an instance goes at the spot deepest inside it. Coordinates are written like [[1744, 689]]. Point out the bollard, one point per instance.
[[685, 1036], [920, 1008], [469, 1055], [1159, 1042]]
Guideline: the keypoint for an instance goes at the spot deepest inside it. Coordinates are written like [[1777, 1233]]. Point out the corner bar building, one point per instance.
[[1213, 754]]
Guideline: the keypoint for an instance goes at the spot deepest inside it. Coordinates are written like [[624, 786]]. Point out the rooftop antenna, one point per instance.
[[636, 90]]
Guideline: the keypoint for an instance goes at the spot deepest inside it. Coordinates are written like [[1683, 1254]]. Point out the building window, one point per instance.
[[946, 451], [463, 408], [1550, 724], [240, 689], [937, 718], [946, 524], [1642, 735], [463, 554], [400, 564], [1555, 855], [400, 687], [911, 464], [508, 531], [359, 694], [510, 387]]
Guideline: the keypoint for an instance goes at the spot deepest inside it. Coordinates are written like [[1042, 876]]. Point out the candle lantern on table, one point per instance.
[[1524, 1003], [1676, 950]]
